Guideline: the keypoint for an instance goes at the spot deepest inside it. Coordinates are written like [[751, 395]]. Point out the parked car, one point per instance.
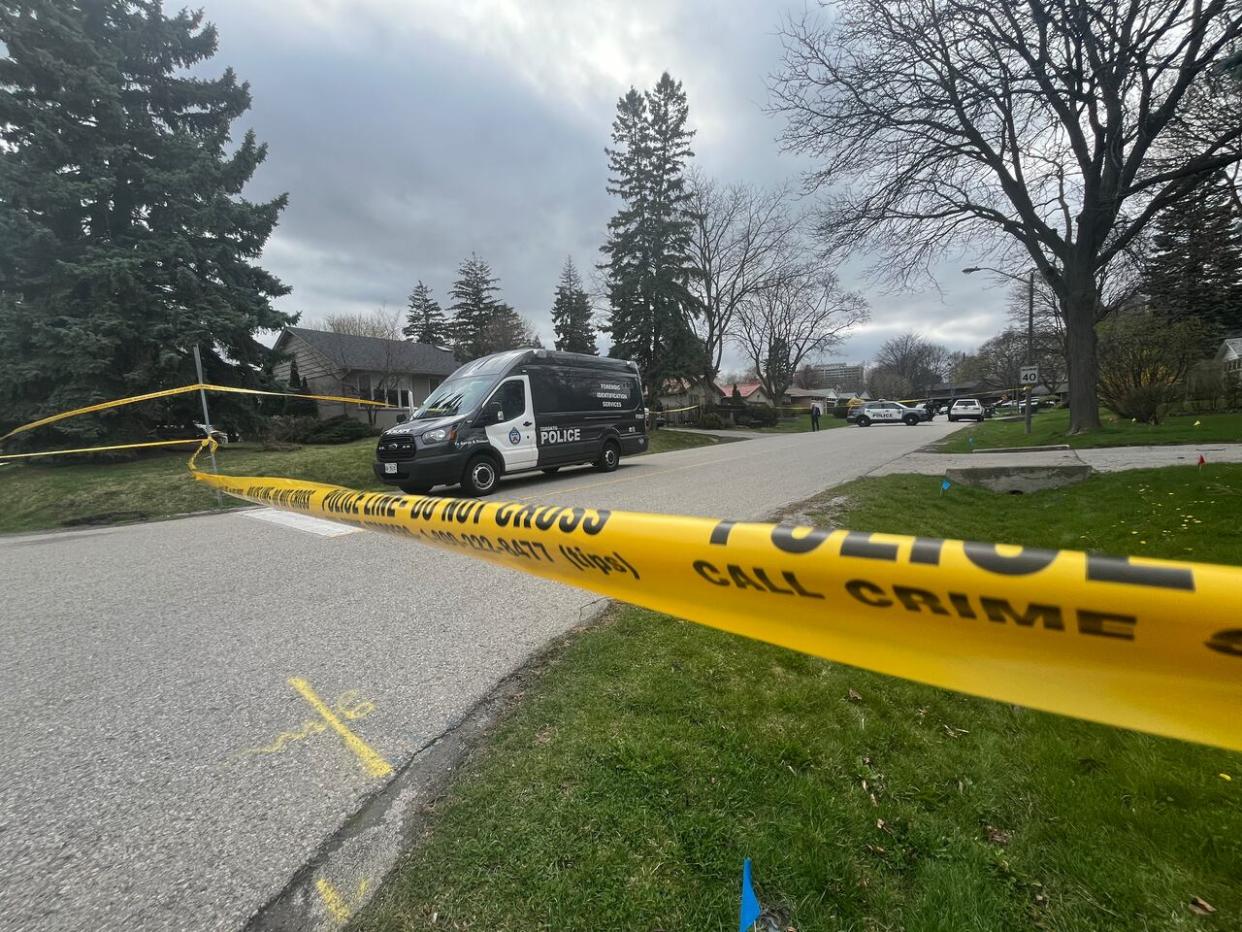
[[967, 409], [888, 412]]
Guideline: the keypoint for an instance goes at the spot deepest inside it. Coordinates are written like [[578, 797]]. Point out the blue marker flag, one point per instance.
[[750, 903], [944, 485]]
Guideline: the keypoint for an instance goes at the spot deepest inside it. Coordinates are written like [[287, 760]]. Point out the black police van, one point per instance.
[[515, 412]]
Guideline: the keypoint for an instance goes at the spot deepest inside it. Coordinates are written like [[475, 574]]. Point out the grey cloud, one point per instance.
[[404, 150]]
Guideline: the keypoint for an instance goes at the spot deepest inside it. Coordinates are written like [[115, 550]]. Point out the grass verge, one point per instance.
[[34, 498], [1052, 426], [625, 790]]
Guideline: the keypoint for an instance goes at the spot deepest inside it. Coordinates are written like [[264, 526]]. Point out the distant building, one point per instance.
[[752, 393], [394, 371], [676, 394], [844, 378], [1229, 355], [805, 397]]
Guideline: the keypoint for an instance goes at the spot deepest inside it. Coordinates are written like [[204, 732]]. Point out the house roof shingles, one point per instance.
[[375, 354]]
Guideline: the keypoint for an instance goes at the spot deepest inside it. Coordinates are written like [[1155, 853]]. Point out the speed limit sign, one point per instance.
[[1030, 375]]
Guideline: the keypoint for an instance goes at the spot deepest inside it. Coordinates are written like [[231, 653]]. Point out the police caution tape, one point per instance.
[[1144, 644]]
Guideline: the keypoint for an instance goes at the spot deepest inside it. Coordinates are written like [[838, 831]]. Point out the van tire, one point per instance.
[[480, 476], [952, 419], [609, 456], [863, 421]]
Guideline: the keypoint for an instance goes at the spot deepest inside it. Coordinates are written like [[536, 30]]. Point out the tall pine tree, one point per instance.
[[571, 314], [425, 322], [482, 323], [124, 238], [648, 249], [1196, 270]]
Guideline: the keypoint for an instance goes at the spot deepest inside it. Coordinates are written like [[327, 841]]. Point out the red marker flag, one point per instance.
[[1201, 461]]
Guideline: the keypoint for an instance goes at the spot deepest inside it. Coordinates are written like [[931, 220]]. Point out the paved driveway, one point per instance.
[[191, 707]]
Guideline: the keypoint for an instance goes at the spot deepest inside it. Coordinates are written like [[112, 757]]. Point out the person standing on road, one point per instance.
[[815, 412]]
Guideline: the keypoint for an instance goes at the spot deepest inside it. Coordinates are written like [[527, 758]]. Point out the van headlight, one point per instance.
[[439, 435]]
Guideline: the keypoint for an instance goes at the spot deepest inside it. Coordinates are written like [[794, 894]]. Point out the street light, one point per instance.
[[1030, 323]]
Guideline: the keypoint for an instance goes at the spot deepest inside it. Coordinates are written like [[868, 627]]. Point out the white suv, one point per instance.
[[966, 409]]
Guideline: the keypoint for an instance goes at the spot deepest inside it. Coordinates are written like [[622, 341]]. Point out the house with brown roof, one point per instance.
[[398, 372]]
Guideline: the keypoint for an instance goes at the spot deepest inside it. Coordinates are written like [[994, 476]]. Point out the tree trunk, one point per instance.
[[1081, 300]]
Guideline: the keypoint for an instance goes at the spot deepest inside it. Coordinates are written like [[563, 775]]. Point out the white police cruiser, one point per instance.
[[887, 412], [515, 412]]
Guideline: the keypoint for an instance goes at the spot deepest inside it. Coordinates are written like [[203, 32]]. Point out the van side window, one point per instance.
[[512, 398]]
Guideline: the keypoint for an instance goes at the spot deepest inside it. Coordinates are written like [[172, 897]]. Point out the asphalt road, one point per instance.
[[168, 761]]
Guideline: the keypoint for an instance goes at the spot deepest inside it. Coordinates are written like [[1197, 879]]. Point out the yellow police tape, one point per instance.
[[149, 396], [115, 446], [1145, 644]]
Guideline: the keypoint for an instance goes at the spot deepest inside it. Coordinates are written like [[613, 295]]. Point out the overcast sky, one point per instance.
[[409, 134]]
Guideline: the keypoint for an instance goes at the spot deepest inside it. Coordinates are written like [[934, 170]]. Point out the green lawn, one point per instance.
[[1050, 426], [652, 756], [35, 497]]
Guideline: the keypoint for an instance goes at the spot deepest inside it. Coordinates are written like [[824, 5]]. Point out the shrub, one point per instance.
[[290, 429], [763, 415], [1143, 360], [340, 429], [840, 411], [711, 421]]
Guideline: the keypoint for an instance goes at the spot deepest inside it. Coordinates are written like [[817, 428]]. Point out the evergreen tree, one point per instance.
[[648, 249], [1196, 270], [124, 239], [475, 310], [571, 314], [425, 322], [507, 330]]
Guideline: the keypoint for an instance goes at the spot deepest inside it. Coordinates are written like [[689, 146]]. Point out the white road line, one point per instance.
[[300, 522]]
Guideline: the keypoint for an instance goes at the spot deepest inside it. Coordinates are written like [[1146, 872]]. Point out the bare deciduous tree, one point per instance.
[[802, 312], [1052, 128], [742, 238], [915, 359]]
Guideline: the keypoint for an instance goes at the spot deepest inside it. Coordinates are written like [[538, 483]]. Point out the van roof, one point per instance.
[[512, 359], [583, 360]]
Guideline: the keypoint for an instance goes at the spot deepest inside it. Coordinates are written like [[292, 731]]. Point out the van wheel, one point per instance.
[[609, 457], [911, 420], [952, 419], [480, 476], [863, 421], [551, 470], [415, 488]]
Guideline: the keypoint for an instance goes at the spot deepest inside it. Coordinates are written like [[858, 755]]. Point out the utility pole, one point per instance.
[[1030, 342], [202, 396], [1030, 323]]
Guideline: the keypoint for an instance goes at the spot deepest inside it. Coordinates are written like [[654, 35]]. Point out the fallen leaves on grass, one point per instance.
[[997, 836], [1201, 907], [853, 695], [954, 732]]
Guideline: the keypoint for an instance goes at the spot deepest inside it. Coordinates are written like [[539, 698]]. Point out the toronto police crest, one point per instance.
[[515, 436]]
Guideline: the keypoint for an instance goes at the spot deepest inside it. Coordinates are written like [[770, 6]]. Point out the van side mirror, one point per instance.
[[494, 413]]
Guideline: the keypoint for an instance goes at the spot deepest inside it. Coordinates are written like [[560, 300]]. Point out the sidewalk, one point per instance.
[[1104, 459]]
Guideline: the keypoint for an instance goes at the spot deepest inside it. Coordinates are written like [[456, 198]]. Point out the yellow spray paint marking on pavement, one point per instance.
[[375, 765], [334, 902], [348, 705]]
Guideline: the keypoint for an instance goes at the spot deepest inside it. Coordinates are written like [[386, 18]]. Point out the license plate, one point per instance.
[[390, 469]]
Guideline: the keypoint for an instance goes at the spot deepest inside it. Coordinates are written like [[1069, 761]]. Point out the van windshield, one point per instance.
[[454, 397]]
